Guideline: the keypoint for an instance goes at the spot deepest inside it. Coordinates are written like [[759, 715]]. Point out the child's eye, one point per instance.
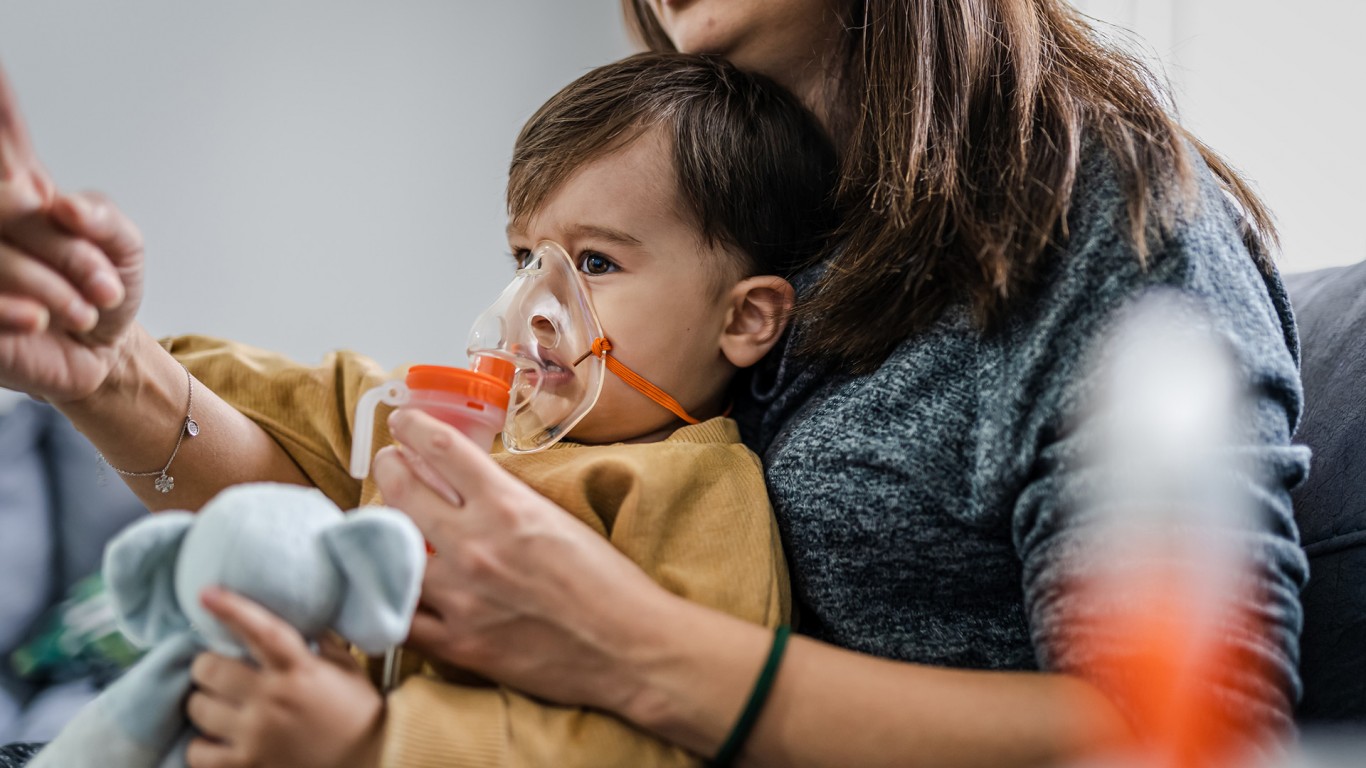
[[594, 263], [521, 257]]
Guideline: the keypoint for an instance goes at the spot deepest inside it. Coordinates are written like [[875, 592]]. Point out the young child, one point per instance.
[[683, 192]]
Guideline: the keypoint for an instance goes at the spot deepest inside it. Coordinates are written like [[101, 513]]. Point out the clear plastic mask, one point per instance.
[[544, 325]]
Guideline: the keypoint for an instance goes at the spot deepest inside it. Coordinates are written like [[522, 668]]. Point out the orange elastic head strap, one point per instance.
[[602, 347]]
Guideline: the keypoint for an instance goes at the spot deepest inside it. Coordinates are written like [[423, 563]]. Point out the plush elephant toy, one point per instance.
[[286, 547]]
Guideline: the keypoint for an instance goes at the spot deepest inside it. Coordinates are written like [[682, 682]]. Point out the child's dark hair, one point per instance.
[[752, 164]]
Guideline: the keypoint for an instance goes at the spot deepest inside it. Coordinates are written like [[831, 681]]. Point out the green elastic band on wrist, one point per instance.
[[757, 698]]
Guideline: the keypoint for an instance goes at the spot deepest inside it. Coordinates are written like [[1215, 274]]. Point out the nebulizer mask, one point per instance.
[[544, 326], [539, 358]]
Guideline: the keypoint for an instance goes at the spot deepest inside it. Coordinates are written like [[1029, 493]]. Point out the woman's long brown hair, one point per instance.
[[959, 125]]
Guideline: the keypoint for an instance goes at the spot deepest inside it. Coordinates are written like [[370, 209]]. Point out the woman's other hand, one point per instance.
[[292, 709], [70, 276], [518, 590], [24, 185]]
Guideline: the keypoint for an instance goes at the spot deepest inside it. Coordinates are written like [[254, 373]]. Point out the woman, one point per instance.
[[1010, 186]]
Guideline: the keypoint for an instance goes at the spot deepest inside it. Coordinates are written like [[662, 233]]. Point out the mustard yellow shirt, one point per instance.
[[692, 511]]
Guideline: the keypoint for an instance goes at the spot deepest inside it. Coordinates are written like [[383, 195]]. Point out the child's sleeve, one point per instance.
[[307, 410], [697, 521], [436, 724]]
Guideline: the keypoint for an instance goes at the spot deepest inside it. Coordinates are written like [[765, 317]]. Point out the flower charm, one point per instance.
[[165, 483]]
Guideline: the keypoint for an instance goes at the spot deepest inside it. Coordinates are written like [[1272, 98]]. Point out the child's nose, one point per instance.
[[546, 332]]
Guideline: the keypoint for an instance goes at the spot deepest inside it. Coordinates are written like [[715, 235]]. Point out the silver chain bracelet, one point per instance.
[[165, 482]]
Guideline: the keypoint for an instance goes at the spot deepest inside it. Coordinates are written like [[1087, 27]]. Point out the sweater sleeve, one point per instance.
[[1058, 509], [307, 410], [698, 522]]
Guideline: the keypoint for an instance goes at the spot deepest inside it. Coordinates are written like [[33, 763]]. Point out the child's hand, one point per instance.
[[296, 709]]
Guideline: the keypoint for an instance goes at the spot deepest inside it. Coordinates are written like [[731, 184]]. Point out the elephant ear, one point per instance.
[[139, 572], [381, 557]]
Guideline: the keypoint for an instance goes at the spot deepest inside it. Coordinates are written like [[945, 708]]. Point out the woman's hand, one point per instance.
[[294, 709], [24, 185], [518, 590], [70, 276]]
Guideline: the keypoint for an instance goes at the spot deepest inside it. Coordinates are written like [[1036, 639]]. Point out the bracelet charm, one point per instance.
[[164, 482]]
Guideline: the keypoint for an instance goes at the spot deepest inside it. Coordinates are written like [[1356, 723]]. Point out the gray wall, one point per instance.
[[315, 174], [1276, 88], [309, 174]]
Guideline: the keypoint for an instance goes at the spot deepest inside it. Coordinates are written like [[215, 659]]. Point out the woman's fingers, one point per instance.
[[428, 633], [22, 315], [71, 276], [31, 279], [466, 467], [24, 185], [404, 489], [268, 638], [93, 216], [16, 152], [80, 262], [99, 240], [428, 474]]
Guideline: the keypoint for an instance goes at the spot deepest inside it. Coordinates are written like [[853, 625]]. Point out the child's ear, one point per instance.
[[759, 308]]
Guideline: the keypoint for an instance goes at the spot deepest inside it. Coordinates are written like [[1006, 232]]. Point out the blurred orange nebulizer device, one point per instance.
[[1163, 611], [1172, 655]]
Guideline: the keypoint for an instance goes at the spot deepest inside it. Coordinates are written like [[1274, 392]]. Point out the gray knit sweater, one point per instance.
[[925, 506]]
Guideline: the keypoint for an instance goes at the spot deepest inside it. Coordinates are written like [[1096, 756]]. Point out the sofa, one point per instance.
[[55, 518], [1330, 506]]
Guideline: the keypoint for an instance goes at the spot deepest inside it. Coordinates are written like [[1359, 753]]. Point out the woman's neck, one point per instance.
[[813, 77], [816, 89]]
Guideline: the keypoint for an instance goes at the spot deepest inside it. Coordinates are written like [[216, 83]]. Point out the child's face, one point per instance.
[[653, 281]]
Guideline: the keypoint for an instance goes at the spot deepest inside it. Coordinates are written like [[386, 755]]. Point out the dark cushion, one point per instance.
[[1330, 507]]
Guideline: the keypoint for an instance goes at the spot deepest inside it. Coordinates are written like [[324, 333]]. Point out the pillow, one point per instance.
[[1330, 506], [28, 543], [90, 503], [54, 521]]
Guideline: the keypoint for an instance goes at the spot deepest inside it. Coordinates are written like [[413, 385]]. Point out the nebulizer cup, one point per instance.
[[473, 401]]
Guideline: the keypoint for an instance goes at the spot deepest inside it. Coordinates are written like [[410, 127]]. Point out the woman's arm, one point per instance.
[[136, 417], [125, 392], [529, 596], [832, 707], [71, 280]]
